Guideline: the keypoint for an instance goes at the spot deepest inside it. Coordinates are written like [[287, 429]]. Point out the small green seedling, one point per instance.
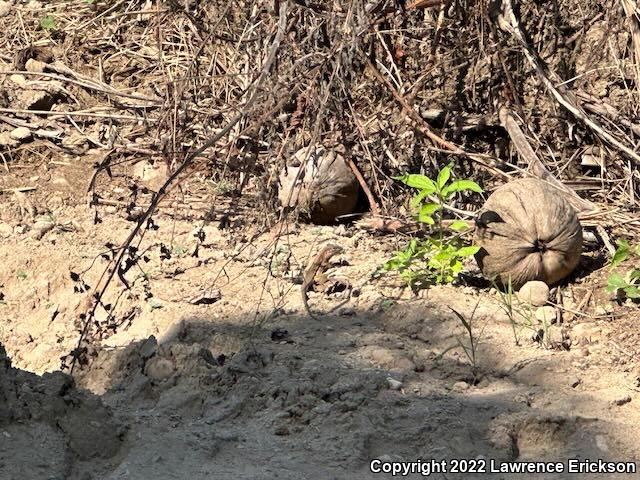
[[439, 258], [48, 22], [627, 284]]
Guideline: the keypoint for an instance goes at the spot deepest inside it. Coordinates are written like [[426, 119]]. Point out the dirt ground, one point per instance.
[[251, 387], [208, 366]]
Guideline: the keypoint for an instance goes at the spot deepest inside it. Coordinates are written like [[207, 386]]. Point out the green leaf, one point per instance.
[[459, 225], [622, 253], [468, 251], [48, 22], [418, 198], [443, 177], [444, 256], [425, 219], [426, 212], [456, 267], [632, 292], [461, 186], [615, 282], [430, 208], [422, 182]]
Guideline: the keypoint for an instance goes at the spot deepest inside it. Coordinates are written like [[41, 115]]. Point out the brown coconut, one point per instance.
[[527, 230], [325, 190]]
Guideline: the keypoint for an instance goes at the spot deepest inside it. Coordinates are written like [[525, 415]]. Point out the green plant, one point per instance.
[[178, 250], [520, 315], [628, 283], [48, 22], [439, 258], [470, 345]]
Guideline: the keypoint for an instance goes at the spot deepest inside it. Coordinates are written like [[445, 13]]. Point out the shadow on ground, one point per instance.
[[297, 399]]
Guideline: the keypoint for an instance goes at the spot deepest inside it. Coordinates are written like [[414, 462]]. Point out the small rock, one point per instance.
[[604, 310], [574, 382], [18, 79], [601, 443], [553, 336], [394, 384], [60, 181], [535, 292], [35, 66], [7, 141], [5, 8], [622, 400], [20, 133], [460, 387], [6, 230], [206, 299], [40, 228], [279, 334], [341, 230], [159, 369], [154, 175], [585, 333], [546, 315], [148, 348], [346, 312]]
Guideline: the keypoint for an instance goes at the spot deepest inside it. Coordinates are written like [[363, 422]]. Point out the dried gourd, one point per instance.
[[324, 191], [527, 230]]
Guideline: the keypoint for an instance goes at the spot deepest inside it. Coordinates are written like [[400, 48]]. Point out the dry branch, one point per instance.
[[508, 22]]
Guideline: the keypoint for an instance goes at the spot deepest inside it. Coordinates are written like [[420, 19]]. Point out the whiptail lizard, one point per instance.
[[320, 262]]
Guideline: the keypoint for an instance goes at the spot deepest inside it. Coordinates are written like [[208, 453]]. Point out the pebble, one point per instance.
[[585, 333], [394, 384], [5, 8], [148, 347], [40, 228], [546, 315], [574, 382], [20, 133], [18, 79], [341, 230], [35, 66], [6, 230], [159, 368], [601, 443], [604, 310], [535, 292], [460, 387]]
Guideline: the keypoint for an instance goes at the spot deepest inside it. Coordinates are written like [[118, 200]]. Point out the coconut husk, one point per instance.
[[326, 188], [527, 230]]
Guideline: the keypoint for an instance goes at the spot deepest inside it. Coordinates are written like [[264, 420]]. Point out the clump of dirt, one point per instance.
[[49, 427]]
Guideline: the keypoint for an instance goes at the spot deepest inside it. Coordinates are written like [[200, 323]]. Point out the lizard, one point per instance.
[[320, 262]]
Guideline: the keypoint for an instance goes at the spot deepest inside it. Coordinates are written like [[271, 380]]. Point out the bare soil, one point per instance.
[[207, 366], [251, 387]]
